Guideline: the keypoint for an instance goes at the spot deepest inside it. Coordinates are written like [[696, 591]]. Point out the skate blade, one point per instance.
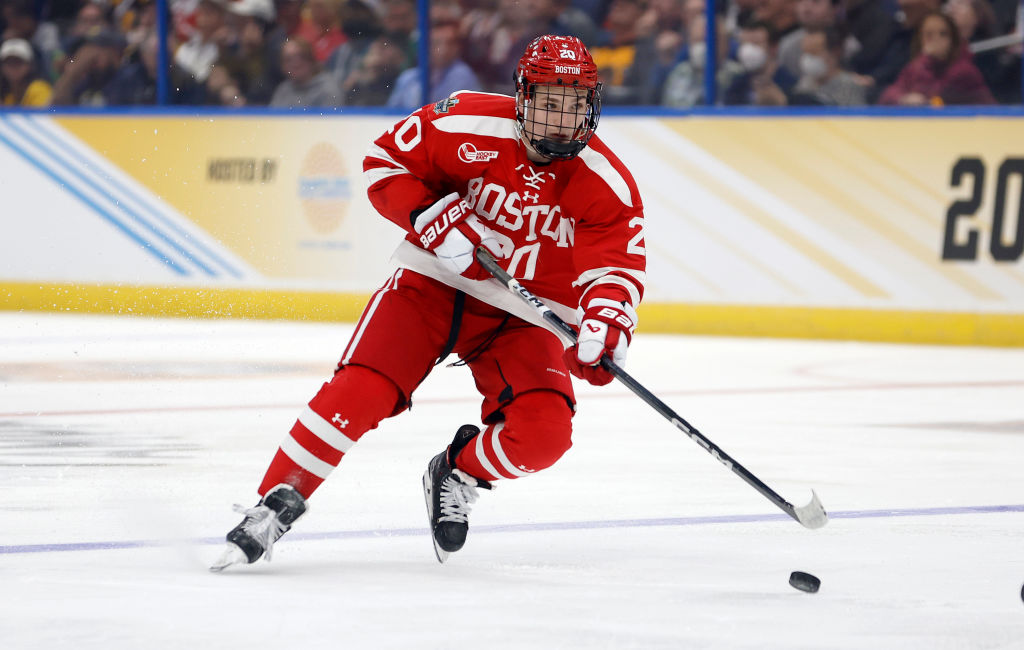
[[439, 552], [231, 555]]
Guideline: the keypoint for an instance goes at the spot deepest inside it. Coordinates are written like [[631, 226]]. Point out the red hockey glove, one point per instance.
[[606, 327], [451, 231]]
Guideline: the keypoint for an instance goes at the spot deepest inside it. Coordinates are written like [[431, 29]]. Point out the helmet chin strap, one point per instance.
[[531, 150], [558, 150]]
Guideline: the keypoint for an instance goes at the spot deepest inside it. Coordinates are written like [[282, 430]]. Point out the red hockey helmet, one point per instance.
[[560, 128]]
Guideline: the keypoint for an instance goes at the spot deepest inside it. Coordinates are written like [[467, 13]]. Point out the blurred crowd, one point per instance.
[[322, 53]]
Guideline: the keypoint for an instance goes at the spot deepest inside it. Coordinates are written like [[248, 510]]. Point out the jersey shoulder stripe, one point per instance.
[[486, 125], [475, 113], [599, 163]]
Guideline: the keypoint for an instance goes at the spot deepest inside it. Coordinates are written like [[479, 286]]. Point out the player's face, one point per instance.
[[555, 113]]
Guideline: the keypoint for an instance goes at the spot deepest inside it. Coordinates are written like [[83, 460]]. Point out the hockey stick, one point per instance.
[[811, 515]]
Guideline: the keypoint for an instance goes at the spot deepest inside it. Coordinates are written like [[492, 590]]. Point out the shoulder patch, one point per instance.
[[445, 105]]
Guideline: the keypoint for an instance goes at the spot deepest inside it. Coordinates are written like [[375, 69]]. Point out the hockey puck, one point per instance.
[[804, 581]]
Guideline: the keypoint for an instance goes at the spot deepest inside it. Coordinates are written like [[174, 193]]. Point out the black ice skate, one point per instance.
[[449, 494], [263, 525]]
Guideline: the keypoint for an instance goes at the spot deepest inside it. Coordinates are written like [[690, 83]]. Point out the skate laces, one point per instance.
[[261, 523], [458, 493]]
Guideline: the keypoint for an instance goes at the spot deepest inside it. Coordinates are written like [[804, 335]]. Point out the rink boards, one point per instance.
[[880, 228]]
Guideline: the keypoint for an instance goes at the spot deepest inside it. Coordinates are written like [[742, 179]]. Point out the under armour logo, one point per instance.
[[534, 178], [337, 420], [529, 196]]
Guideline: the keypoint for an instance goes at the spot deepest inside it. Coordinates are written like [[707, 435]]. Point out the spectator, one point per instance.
[[304, 84], [183, 18], [661, 41], [20, 81], [322, 28], [1007, 14], [763, 82], [685, 84], [91, 16], [443, 11], [494, 56], [484, 30], [779, 15], [21, 21], [196, 56], [617, 61], [400, 21], [876, 47], [596, 10], [738, 13], [693, 11], [90, 19], [286, 25], [941, 71], [478, 26], [909, 17], [91, 67], [448, 73], [288, 17], [362, 27], [18, 19], [373, 81], [976, 21], [136, 19], [671, 14], [810, 14], [134, 84], [246, 74], [822, 80], [561, 18], [913, 12]]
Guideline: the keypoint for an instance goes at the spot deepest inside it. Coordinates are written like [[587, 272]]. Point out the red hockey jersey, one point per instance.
[[564, 227]]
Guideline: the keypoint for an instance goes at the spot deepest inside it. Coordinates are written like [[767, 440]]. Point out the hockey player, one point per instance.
[[526, 179]]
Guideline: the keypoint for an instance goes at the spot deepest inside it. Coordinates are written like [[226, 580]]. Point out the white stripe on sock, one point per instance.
[[304, 459], [482, 457], [324, 430], [500, 453]]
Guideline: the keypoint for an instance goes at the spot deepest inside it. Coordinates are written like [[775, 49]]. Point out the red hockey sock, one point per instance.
[[536, 432], [348, 406]]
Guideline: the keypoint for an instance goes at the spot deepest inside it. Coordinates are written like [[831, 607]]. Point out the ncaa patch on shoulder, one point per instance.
[[445, 105]]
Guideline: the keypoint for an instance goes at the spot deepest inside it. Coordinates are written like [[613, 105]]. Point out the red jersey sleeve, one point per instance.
[[609, 251], [399, 170]]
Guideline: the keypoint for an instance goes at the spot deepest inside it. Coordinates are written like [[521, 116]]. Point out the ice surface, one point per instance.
[[124, 442]]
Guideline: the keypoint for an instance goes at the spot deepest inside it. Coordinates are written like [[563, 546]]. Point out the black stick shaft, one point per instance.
[[551, 317]]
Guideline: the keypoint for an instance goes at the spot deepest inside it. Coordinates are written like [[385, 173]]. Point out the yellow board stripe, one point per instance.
[[203, 302], [954, 328], [835, 323]]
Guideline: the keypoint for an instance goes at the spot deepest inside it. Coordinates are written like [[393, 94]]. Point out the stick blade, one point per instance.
[[813, 514]]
